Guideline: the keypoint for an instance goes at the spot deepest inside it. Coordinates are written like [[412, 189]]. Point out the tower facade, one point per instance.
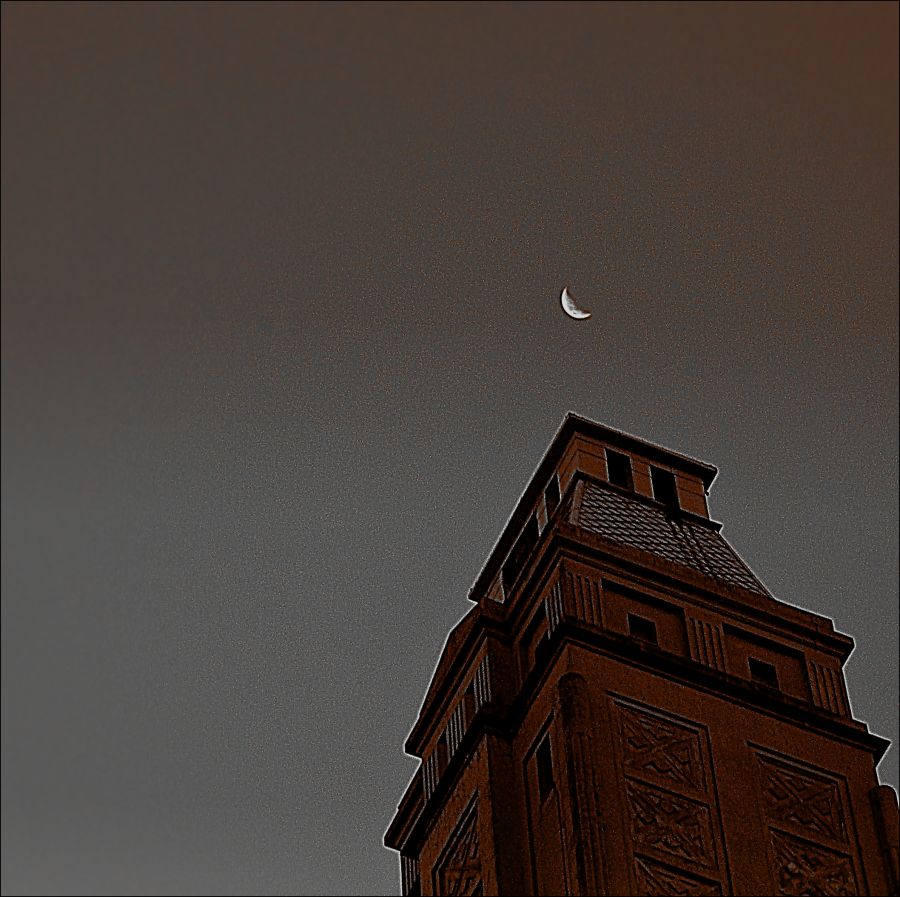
[[626, 709]]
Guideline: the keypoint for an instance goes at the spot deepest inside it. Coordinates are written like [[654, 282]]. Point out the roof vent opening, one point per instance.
[[618, 468], [763, 673], [664, 486], [642, 629]]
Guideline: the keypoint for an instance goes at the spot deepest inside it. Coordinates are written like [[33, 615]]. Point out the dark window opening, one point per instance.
[[763, 673], [642, 629], [664, 487], [519, 554], [619, 469], [551, 496], [544, 761]]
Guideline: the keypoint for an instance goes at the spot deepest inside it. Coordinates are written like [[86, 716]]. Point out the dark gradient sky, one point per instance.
[[281, 347]]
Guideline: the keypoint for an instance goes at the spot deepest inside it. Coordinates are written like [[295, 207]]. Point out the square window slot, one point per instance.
[[763, 673], [642, 629]]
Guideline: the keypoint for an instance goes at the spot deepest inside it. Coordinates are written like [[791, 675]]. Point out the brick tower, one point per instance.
[[627, 710]]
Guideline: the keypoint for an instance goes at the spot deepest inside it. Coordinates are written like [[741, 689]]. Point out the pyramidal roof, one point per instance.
[[681, 540]]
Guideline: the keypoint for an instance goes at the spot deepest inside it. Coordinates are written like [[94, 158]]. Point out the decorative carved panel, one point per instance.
[[459, 872], [409, 873], [670, 824], [554, 605], [706, 643], [481, 684], [802, 868], [670, 800], [663, 749], [586, 594], [828, 688], [655, 879], [801, 799]]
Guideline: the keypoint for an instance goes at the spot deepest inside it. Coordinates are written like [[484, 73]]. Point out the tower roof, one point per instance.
[[610, 572], [574, 426]]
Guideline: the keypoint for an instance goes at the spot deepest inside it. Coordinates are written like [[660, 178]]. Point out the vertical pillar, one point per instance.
[[581, 777], [887, 820], [508, 827]]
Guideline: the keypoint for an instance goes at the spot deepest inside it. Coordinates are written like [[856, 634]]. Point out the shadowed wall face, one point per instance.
[[281, 344]]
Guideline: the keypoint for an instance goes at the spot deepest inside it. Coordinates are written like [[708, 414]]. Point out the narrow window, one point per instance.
[[642, 629], [544, 760], [551, 496], [763, 673], [619, 468], [664, 488]]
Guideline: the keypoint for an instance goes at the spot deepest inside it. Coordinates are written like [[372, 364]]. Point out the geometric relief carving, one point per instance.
[[804, 868], [654, 879], [806, 801], [669, 751], [670, 824], [459, 872]]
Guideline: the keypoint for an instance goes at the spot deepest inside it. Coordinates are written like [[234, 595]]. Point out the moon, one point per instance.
[[570, 308]]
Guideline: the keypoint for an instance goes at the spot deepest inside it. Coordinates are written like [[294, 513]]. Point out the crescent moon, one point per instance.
[[570, 308]]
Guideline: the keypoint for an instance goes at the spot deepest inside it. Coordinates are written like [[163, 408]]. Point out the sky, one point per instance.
[[281, 347]]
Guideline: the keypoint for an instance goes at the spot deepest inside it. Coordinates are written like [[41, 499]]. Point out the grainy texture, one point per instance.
[[281, 340]]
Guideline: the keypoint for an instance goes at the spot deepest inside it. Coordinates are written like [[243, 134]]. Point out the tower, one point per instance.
[[626, 709]]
